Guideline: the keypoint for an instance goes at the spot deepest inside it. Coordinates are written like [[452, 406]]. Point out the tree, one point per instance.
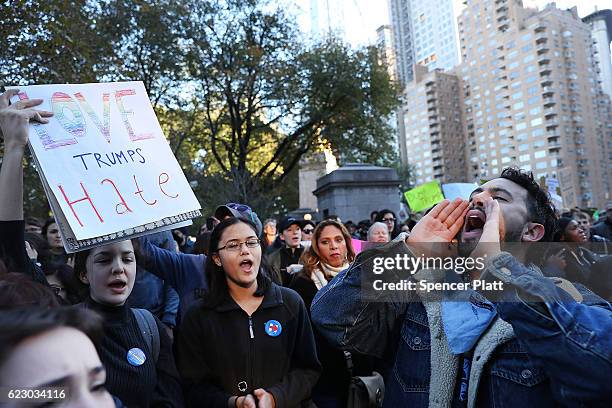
[[240, 93], [268, 99]]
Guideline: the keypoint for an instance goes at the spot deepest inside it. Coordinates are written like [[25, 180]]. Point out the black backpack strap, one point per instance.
[[148, 328]]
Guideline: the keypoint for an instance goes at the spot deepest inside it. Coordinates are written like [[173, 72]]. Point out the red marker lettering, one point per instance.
[[160, 182], [71, 203], [122, 203]]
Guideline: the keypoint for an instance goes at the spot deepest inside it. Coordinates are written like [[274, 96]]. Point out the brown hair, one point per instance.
[[311, 258]]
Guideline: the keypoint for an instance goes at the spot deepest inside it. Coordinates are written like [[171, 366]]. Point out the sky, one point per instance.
[[363, 17]]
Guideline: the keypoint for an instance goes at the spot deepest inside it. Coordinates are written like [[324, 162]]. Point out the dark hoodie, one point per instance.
[[224, 352]]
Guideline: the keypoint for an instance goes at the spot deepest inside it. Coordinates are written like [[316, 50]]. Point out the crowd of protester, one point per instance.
[[252, 314]]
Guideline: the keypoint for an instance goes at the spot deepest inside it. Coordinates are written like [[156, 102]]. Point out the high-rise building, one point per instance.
[[435, 142], [601, 30], [423, 33], [384, 43], [530, 97]]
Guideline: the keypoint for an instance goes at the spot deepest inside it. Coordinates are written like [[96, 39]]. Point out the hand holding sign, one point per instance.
[[15, 119]]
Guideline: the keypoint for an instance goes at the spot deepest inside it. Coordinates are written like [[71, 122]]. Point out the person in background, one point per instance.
[[604, 228], [379, 233], [269, 233], [53, 347], [308, 227], [362, 230], [390, 220], [284, 261], [248, 342], [209, 225], [33, 225], [331, 251], [373, 217], [182, 238]]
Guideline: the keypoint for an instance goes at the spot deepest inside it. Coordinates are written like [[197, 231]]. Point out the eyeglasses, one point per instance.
[[308, 230], [235, 245], [388, 220]]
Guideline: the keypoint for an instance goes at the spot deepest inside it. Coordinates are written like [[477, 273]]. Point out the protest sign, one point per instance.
[[458, 190], [107, 169], [424, 196]]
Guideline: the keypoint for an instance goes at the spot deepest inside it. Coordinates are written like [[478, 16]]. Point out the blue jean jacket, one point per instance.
[[560, 355]]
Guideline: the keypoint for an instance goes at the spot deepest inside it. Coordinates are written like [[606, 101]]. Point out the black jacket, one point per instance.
[[223, 352], [152, 384]]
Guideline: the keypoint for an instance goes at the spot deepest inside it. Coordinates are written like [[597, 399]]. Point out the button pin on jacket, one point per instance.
[[136, 357], [273, 328]]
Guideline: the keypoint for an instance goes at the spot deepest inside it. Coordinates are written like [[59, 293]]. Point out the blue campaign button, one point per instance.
[[273, 328], [136, 357]]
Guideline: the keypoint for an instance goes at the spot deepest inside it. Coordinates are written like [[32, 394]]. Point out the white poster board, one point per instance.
[[458, 190], [106, 166]]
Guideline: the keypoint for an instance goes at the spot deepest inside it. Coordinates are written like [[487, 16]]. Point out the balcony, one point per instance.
[[551, 124], [547, 91], [550, 113], [541, 38], [553, 136], [503, 27], [502, 8], [548, 102], [543, 60], [545, 69], [554, 147], [542, 49], [546, 81], [540, 27]]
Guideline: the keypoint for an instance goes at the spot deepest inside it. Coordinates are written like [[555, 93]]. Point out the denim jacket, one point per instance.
[[554, 354]]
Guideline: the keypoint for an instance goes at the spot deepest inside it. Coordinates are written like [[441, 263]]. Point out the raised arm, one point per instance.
[[14, 127]]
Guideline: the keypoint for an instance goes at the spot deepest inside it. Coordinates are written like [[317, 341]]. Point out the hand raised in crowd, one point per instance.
[[264, 399], [15, 119], [440, 225]]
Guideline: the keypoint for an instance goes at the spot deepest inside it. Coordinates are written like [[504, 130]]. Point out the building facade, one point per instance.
[[530, 96], [435, 143], [423, 33]]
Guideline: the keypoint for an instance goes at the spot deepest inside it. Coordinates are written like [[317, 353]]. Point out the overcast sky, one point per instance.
[[363, 17]]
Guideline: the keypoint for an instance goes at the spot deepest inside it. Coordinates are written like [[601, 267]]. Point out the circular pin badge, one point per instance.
[[136, 357], [273, 328]]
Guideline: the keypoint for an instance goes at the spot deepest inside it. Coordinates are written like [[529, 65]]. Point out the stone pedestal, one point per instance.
[[354, 190]]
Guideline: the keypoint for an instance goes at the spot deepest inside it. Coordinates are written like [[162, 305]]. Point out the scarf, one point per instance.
[[318, 277]]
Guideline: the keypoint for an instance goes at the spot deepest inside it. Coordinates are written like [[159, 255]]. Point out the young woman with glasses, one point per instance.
[[248, 342]]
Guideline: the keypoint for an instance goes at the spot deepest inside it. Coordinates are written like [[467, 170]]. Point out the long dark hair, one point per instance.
[[217, 289]]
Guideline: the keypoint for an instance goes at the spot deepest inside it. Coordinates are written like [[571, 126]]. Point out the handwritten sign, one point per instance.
[[106, 166], [424, 196]]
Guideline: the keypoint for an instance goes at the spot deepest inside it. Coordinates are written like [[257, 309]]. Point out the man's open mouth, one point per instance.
[[474, 223]]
